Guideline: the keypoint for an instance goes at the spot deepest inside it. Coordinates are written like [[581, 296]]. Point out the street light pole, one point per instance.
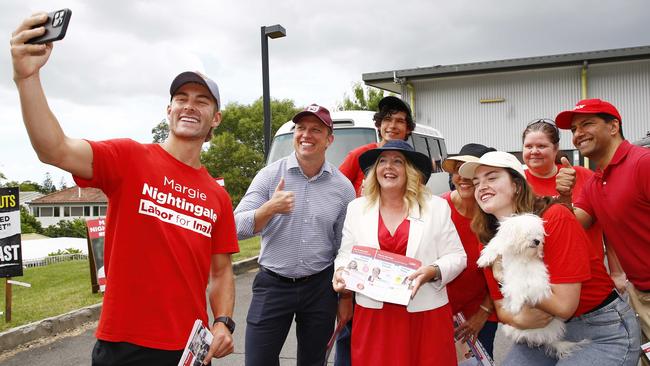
[[273, 31]]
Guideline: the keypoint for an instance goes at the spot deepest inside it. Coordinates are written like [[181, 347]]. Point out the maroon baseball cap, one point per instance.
[[586, 106], [319, 112]]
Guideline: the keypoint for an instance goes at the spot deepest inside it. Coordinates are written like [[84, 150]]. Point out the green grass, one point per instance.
[[63, 287], [247, 248], [56, 289]]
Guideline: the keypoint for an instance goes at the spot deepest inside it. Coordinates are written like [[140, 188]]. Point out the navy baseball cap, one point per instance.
[[196, 77]]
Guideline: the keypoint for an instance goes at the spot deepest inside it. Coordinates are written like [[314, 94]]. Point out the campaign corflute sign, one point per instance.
[[11, 258]]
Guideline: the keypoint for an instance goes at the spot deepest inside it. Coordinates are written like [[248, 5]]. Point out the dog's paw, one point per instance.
[[487, 257]]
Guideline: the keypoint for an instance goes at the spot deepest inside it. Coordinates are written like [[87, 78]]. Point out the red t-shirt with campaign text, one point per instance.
[[569, 259], [467, 291], [164, 222], [352, 170], [618, 198], [547, 187]]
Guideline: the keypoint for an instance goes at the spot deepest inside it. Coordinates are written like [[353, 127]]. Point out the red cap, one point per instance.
[[315, 110], [586, 106]]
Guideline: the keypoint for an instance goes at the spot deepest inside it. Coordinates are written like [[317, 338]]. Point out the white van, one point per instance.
[[356, 128]]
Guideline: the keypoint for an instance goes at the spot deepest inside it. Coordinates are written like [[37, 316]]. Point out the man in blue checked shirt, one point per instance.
[[298, 206]]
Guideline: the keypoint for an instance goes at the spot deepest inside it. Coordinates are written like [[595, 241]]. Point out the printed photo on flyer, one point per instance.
[[198, 345], [380, 275], [470, 353]]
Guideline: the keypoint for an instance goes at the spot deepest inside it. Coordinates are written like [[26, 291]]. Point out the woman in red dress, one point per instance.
[[399, 215]]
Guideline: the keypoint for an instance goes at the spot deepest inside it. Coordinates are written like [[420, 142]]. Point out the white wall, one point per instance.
[[452, 104]]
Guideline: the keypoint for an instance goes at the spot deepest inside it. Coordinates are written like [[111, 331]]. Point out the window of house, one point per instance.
[[87, 210], [102, 210], [76, 211], [46, 211]]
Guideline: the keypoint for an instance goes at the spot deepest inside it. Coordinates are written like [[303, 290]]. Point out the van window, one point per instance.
[[420, 144], [345, 139], [429, 146], [436, 152]]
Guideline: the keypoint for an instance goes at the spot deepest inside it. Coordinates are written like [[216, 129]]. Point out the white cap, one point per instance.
[[499, 159]]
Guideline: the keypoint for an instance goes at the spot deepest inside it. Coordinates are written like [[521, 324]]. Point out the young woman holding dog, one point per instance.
[[582, 292], [468, 293], [399, 215]]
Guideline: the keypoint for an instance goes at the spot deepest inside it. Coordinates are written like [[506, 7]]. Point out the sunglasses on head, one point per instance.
[[542, 120]]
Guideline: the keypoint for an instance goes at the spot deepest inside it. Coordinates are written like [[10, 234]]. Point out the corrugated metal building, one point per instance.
[[491, 102]]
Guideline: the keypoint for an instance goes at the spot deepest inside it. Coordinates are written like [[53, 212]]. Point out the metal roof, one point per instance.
[[386, 79]]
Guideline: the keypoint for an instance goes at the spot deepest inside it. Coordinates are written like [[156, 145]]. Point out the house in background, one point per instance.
[[69, 204]]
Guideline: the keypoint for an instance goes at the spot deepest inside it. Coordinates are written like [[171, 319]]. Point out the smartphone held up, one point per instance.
[[55, 27]]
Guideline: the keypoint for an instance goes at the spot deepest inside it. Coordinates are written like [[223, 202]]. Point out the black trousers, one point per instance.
[[275, 303], [128, 354]]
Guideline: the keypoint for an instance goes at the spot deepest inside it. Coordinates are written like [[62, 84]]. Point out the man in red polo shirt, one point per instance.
[[617, 195], [394, 122]]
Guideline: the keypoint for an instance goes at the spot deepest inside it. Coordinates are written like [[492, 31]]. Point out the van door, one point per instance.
[[435, 149]]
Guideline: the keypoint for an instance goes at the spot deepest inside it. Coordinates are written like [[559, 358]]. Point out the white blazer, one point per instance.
[[432, 239]]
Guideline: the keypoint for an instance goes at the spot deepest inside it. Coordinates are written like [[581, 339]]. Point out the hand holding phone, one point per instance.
[[55, 27]]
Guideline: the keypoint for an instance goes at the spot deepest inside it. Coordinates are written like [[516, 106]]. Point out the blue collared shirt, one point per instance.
[[307, 240]]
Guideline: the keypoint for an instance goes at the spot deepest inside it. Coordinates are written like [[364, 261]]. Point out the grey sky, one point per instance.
[[110, 76]]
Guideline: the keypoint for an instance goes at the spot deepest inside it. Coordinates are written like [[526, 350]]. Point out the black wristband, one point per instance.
[[227, 321]]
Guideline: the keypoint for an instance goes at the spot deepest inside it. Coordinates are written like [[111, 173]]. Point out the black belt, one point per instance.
[[610, 299], [287, 279]]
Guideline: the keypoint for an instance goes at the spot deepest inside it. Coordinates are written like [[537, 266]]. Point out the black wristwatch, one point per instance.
[[230, 324]]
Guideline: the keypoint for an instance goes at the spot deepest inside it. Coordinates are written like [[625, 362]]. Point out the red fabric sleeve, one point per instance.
[[583, 202], [224, 238], [566, 248], [643, 176], [109, 159]]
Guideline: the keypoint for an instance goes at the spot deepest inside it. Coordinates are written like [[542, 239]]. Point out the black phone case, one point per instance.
[[55, 27]]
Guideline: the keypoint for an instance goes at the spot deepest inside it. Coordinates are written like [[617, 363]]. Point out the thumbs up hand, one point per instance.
[[282, 201], [280, 186], [565, 180]]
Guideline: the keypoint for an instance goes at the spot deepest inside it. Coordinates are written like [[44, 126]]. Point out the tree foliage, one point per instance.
[[72, 229], [63, 184], [48, 186], [160, 132], [236, 150], [28, 223], [25, 186], [365, 99]]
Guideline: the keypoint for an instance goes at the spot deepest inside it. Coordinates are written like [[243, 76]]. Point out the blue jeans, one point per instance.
[[486, 337], [614, 336]]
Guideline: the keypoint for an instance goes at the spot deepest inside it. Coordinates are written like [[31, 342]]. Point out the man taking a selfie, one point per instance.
[[170, 228]]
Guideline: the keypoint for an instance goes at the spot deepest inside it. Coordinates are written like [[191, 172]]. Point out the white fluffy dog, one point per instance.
[[519, 242]]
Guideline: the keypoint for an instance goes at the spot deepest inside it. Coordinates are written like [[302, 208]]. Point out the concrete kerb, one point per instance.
[[48, 327]]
